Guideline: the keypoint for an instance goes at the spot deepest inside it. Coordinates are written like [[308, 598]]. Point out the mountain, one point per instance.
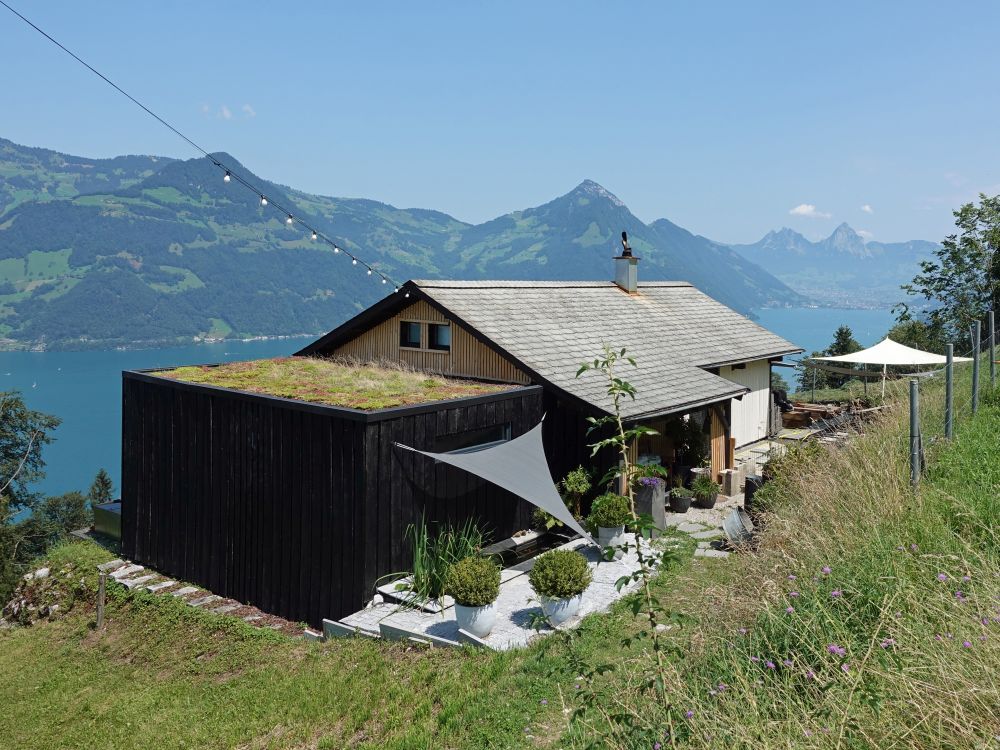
[[142, 250], [843, 269]]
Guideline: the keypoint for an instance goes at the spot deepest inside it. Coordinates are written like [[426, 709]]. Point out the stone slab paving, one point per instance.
[[131, 583], [707, 518], [185, 591], [153, 588], [110, 565], [710, 553], [517, 606], [202, 601], [708, 534], [127, 571], [225, 609]]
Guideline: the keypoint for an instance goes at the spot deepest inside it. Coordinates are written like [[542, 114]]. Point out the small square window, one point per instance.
[[439, 336], [409, 334]]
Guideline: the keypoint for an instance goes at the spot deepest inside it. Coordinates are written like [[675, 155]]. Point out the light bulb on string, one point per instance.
[[289, 219], [314, 236], [336, 249], [228, 177], [354, 261], [385, 280], [263, 201], [369, 272]]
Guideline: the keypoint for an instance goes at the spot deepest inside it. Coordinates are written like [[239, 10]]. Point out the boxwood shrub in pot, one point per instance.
[[474, 584], [559, 578], [680, 499], [706, 491], [608, 514]]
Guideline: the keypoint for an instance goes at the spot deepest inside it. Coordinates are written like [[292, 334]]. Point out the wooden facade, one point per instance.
[[467, 357], [293, 507]]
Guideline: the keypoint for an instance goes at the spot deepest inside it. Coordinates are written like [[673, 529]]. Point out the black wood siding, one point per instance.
[[296, 508]]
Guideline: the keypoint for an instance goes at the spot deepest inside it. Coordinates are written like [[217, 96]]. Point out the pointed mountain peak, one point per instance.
[[591, 189]]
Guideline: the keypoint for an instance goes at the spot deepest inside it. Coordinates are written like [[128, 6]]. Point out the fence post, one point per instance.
[[993, 350], [975, 367], [914, 433], [949, 392], [101, 589], [813, 399]]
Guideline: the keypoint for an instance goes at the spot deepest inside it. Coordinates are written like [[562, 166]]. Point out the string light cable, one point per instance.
[[229, 174]]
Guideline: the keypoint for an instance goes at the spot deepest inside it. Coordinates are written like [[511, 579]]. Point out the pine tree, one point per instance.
[[102, 490]]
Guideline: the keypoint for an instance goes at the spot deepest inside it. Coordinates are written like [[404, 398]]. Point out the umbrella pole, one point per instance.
[[884, 368]]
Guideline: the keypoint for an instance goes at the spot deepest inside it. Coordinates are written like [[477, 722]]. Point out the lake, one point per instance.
[[84, 388]]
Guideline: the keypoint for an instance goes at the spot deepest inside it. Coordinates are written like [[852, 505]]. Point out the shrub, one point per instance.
[[610, 510], [703, 487], [575, 485], [560, 574], [473, 581], [434, 554], [680, 491]]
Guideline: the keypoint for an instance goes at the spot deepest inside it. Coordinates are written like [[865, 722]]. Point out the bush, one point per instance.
[[681, 491], [609, 511], [474, 581], [560, 574]]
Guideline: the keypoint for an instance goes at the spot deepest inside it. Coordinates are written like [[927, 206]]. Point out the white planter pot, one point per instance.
[[611, 537], [560, 610], [476, 620]]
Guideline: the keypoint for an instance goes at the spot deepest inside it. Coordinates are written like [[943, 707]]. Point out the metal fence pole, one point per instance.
[[813, 399], [949, 392], [975, 367], [993, 350], [914, 433]]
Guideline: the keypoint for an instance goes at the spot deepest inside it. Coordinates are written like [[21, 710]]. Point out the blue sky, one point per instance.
[[729, 119]]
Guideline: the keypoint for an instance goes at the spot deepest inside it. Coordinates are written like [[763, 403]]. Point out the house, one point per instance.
[[698, 361], [282, 485]]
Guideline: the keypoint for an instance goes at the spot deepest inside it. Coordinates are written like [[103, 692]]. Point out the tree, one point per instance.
[[843, 343], [778, 382], [23, 432], [918, 334], [102, 490], [52, 520], [963, 281], [810, 376]]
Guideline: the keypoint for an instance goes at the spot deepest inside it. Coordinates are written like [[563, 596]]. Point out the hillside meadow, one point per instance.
[[867, 617]]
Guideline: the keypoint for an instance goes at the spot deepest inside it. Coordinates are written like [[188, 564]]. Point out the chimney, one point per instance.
[[627, 268]]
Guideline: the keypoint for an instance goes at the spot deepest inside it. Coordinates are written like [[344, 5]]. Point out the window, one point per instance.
[[439, 336], [471, 441], [409, 334]]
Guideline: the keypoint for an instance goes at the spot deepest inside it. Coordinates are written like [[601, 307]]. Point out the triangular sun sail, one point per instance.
[[519, 467]]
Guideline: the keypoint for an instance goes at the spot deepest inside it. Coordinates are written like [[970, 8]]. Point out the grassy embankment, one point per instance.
[[918, 667]]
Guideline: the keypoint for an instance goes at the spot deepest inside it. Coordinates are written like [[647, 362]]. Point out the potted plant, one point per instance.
[[575, 485], [559, 578], [706, 491], [680, 499], [650, 493], [608, 514], [474, 584]]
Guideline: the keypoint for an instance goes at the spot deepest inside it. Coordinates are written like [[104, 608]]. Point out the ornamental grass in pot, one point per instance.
[[706, 491], [474, 584], [608, 514], [559, 578]]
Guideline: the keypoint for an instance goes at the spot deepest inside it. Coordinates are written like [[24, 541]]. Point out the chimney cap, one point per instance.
[[626, 248]]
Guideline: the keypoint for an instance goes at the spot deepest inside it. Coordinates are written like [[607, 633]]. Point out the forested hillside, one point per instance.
[[142, 250]]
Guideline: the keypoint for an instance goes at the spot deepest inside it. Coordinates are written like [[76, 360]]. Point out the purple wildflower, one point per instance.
[[914, 548], [833, 648], [578, 686], [791, 576], [688, 714], [937, 637], [544, 702], [722, 687], [755, 659], [966, 644], [657, 746], [810, 675], [807, 732], [742, 631], [942, 577], [789, 610], [966, 579], [793, 594], [836, 594], [898, 615], [770, 665], [845, 667], [982, 637], [888, 642], [826, 570]]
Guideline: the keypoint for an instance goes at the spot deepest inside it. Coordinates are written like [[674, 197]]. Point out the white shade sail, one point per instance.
[[888, 352], [519, 467]]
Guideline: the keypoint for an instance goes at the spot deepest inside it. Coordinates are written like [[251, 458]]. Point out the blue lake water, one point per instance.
[[84, 388]]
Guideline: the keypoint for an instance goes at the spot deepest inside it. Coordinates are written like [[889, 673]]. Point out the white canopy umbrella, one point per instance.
[[888, 352]]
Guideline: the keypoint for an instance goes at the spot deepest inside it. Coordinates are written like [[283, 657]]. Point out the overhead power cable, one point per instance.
[[230, 174]]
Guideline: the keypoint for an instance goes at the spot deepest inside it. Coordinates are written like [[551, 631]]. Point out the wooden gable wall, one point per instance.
[[468, 357]]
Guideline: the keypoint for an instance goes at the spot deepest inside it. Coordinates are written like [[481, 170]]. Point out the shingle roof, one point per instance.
[[670, 328]]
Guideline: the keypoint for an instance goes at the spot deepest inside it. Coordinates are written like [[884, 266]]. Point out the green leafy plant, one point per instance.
[[543, 520], [681, 491], [609, 511], [575, 485], [473, 581], [435, 553], [621, 438], [704, 487], [560, 574]]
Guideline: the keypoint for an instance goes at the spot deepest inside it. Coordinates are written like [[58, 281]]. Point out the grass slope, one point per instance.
[[921, 661]]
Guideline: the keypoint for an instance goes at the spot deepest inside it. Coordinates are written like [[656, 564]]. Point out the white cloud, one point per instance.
[[225, 113], [868, 209], [249, 111], [809, 210], [864, 234]]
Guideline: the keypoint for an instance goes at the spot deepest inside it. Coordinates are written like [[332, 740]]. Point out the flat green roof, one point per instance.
[[337, 383]]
